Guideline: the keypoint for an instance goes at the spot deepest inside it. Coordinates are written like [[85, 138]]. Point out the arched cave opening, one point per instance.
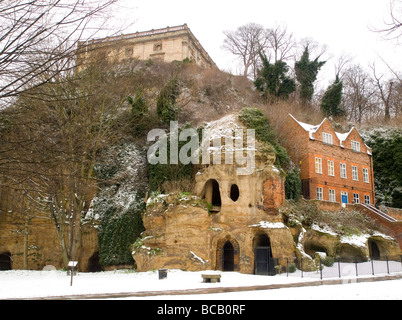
[[228, 256], [213, 194], [264, 263], [374, 250]]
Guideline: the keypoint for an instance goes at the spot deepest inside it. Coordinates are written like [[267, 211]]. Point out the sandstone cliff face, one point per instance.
[[219, 226], [182, 234], [41, 245]]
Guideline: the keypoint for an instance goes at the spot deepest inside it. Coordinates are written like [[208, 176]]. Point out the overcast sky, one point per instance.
[[342, 25]]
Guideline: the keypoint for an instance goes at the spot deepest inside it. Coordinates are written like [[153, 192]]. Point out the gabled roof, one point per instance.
[[343, 136], [311, 129]]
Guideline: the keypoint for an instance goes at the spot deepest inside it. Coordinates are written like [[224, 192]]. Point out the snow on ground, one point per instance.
[[35, 284], [20, 284], [382, 290]]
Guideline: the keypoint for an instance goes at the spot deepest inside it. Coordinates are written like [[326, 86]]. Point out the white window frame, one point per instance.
[[343, 170], [318, 165], [320, 193], [355, 145], [331, 168], [366, 175], [355, 173], [366, 199], [332, 196], [327, 138], [356, 198]]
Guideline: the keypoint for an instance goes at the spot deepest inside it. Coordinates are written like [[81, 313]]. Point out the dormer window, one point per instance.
[[355, 146], [327, 138]]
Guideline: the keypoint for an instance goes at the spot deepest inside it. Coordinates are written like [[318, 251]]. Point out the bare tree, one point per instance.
[[397, 98], [71, 121], [280, 44], [359, 93], [246, 43], [385, 91], [38, 39], [341, 64], [393, 23]]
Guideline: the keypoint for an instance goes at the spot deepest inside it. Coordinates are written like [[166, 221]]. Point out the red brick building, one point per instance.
[[334, 167]]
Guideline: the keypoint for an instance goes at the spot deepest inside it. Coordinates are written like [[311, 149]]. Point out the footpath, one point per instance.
[[221, 289]]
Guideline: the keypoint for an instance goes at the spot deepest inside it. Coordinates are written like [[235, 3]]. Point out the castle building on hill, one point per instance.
[[334, 167], [163, 45]]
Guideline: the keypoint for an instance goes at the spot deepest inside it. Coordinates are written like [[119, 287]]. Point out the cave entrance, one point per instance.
[[264, 263], [228, 256], [5, 261], [374, 250], [213, 195], [94, 263]]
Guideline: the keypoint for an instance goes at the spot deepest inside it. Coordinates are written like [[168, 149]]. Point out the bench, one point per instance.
[[211, 278]]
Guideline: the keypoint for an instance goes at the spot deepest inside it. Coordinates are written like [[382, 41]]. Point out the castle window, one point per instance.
[[355, 146], [234, 192], [129, 51], [157, 46], [327, 138]]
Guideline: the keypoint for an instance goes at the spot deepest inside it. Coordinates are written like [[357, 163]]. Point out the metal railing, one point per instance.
[[327, 268]]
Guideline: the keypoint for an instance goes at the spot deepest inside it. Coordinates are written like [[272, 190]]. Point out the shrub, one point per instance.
[[139, 113], [328, 261], [163, 176], [292, 268], [254, 118]]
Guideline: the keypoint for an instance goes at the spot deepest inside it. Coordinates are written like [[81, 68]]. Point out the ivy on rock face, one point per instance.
[[120, 203], [119, 231]]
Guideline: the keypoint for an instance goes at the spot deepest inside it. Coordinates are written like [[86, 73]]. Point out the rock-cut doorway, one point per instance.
[[228, 257], [263, 260]]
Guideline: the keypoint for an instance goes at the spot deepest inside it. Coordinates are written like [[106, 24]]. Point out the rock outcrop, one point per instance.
[[227, 217]]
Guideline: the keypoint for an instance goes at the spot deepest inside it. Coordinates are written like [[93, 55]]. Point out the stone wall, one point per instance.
[[164, 45]]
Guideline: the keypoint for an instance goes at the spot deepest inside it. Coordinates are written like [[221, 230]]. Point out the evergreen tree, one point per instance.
[[306, 74], [166, 106], [332, 99], [272, 81], [139, 112]]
